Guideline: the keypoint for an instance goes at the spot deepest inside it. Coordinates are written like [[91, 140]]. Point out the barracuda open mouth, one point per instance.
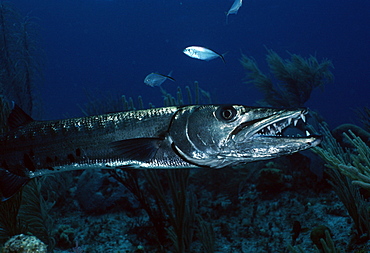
[[241, 134], [279, 127]]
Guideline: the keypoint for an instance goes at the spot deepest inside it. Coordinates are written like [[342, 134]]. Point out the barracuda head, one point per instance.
[[223, 135]]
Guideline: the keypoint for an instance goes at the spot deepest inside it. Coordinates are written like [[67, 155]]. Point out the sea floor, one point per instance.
[[247, 215]]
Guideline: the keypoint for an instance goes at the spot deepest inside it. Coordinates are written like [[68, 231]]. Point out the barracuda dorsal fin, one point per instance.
[[140, 149], [10, 184], [18, 117]]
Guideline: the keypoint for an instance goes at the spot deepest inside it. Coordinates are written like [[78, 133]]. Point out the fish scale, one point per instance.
[[194, 136]]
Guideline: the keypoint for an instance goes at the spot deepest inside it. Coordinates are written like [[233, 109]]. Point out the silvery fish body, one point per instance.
[[202, 53], [155, 79], [197, 136], [234, 8]]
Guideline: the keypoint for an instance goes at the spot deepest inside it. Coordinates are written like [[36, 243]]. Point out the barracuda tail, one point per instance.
[[10, 183]]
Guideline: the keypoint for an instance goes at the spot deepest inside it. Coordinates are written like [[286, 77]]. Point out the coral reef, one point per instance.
[[296, 78], [27, 212], [34, 212], [171, 209], [65, 236], [19, 74], [24, 244], [321, 236], [98, 192], [351, 163], [339, 131], [173, 214], [354, 165]]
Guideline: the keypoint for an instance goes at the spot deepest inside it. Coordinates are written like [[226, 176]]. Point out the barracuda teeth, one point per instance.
[[303, 117], [308, 133], [289, 121], [295, 122]]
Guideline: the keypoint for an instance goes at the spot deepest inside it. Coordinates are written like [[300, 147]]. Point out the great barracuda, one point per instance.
[[194, 136]]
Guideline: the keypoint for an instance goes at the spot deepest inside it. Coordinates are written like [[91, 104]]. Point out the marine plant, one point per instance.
[[365, 117], [19, 62], [133, 181], [295, 78], [326, 242], [4, 113], [27, 212], [355, 165], [170, 206], [34, 212], [173, 213], [200, 96], [19, 74], [348, 168], [181, 213], [206, 235], [111, 103], [10, 224]]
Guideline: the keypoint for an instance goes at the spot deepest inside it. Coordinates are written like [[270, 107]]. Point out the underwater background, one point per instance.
[[89, 51], [110, 46]]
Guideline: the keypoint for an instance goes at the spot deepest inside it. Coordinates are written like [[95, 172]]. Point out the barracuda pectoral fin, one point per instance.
[[140, 149], [10, 183]]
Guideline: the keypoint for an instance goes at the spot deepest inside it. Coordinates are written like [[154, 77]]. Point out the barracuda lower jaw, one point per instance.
[[277, 128]]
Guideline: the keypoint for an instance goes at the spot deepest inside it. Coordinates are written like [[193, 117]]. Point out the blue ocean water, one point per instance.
[[110, 46]]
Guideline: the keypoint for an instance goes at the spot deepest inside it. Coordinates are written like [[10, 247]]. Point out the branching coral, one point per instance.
[[348, 168], [354, 165], [296, 78]]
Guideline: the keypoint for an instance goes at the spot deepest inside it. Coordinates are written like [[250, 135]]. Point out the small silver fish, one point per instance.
[[156, 79], [202, 53], [234, 8]]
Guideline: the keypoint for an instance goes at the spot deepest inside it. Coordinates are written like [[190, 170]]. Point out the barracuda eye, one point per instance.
[[226, 113]]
